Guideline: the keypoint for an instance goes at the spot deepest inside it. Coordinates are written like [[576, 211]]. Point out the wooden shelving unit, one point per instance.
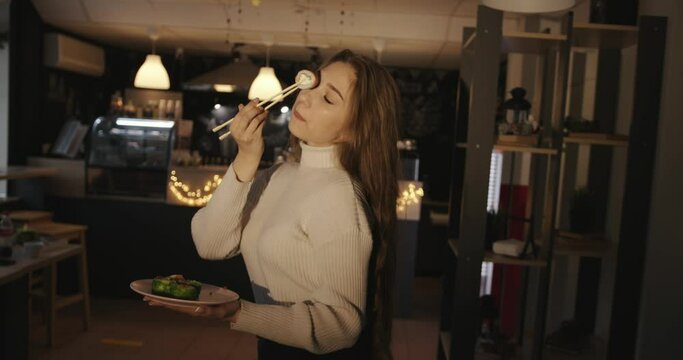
[[608, 41], [483, 48]]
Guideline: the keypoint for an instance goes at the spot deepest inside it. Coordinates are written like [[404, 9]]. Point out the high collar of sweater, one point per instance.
[[319, 157]]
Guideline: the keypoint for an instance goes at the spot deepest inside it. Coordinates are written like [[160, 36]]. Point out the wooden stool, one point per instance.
[[74, 234]]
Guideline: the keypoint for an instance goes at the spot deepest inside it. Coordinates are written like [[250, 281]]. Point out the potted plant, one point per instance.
[[29, 241]]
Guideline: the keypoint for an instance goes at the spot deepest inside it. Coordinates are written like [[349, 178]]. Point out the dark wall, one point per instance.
[[428, 115], [25, 80], [661, 315]]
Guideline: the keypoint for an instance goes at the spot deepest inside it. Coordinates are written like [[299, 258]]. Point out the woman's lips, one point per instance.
[[298, 116]]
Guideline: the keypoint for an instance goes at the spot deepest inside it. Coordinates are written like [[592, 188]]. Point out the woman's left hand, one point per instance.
[[228, 311]]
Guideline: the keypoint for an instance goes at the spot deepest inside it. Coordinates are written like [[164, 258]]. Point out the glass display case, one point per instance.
[[129, 156]]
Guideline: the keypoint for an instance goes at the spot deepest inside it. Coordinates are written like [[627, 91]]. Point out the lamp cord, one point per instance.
[[267, 56]]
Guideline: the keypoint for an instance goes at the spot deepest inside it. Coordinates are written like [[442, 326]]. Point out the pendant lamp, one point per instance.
[[530, 6], [152, 74], [266, 83]]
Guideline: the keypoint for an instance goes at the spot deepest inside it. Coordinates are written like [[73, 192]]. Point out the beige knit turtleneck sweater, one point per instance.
[[306, 244]]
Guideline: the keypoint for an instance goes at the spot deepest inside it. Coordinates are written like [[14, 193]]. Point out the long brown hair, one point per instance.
[[371, 159]]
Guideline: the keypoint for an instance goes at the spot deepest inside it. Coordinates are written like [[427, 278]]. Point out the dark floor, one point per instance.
[[129, 329]]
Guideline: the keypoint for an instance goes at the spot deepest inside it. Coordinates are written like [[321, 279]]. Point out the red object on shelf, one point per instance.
[[510, 281]]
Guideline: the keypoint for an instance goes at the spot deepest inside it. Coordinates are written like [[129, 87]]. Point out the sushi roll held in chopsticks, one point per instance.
[[304, 80]]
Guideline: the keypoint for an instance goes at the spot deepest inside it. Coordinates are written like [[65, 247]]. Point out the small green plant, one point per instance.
[[25, 235]]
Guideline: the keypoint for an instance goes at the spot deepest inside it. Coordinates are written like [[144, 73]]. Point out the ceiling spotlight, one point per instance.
[[284, 109]]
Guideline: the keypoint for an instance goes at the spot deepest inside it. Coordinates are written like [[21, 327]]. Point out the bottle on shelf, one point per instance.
[[116, 104], [178, 111], [129, 109], [6, 229], [161, 110], [169, 113]]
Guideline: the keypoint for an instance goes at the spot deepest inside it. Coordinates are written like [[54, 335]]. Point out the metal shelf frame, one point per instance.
[[475, 140]]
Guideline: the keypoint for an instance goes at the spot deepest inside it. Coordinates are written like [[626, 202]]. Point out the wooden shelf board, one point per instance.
[[599, 251], [534, 43], [509, 147], [501, 259], [595, 245], [597, 139], [524, 149], [604, 35], [522, 42]]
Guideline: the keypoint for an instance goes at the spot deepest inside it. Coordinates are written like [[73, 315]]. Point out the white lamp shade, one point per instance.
[[152, 74], [530, 6], [265, 84]]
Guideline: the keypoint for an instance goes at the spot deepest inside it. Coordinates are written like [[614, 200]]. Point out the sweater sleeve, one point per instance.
[[217, 228], [332, 317]]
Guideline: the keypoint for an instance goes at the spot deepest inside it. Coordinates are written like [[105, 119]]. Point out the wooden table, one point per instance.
[[48, 255], [14, 298]]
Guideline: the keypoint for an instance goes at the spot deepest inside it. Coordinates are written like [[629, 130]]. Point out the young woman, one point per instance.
[[316, 234]]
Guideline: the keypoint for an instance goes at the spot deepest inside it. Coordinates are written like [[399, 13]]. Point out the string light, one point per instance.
[[196, 197], [409, 197]]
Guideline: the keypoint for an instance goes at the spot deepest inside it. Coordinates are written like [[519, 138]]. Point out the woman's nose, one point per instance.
[[304, 97]]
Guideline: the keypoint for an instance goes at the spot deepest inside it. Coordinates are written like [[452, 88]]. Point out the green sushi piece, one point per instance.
[[184, 291], [161, 286], [175, 286]]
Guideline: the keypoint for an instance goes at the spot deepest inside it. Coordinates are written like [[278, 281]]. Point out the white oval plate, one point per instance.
[[209, 294]]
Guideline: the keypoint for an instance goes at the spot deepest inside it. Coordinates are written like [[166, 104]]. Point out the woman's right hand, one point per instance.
[[247, 129]]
